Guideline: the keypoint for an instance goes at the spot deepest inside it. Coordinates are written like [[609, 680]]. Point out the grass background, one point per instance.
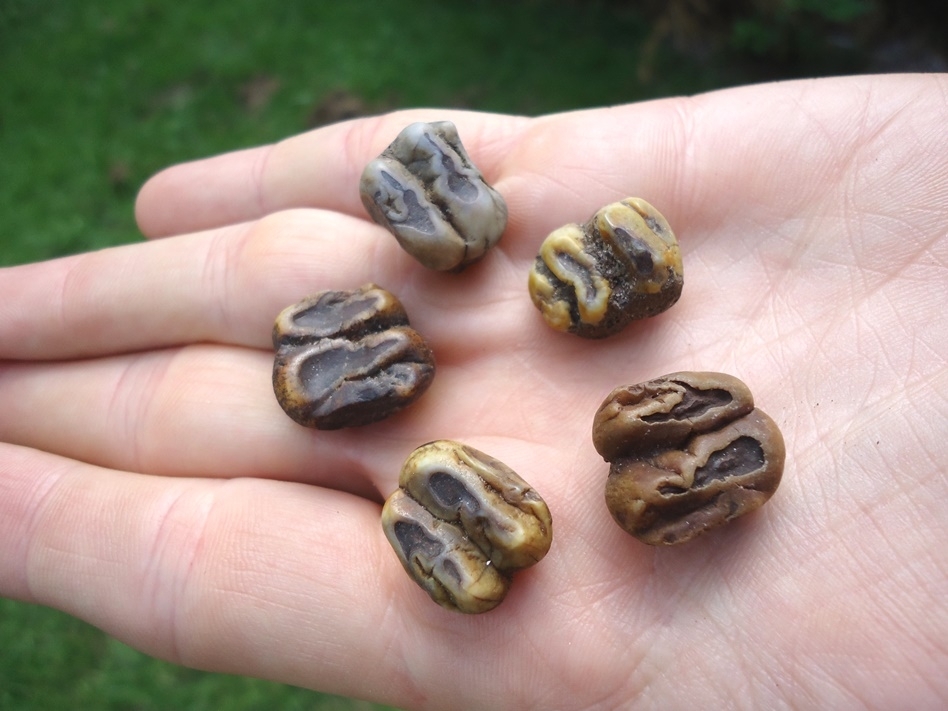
[[95, 96]]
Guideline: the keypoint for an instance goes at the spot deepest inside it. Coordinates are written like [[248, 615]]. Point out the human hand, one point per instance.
[[151, 485]]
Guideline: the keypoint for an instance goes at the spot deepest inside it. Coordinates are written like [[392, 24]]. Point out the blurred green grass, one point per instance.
[[50, 662], [96, 96]]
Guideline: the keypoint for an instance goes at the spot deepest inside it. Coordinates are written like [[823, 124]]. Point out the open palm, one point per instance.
[[151, 484]]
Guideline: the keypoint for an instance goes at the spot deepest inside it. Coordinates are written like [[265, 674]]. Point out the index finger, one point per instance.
[[744, 157], [320, 168]]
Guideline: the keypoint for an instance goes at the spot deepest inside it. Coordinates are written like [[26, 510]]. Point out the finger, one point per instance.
[[741, 157], [201, 411], [251, 577], [549, 170], [228, 285], [210, 411], [317, 169], [225, 286]]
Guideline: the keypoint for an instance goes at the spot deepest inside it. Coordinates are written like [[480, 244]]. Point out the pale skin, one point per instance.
[[150, 483]]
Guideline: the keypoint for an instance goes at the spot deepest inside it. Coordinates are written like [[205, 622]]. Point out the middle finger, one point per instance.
[[226, 286]]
